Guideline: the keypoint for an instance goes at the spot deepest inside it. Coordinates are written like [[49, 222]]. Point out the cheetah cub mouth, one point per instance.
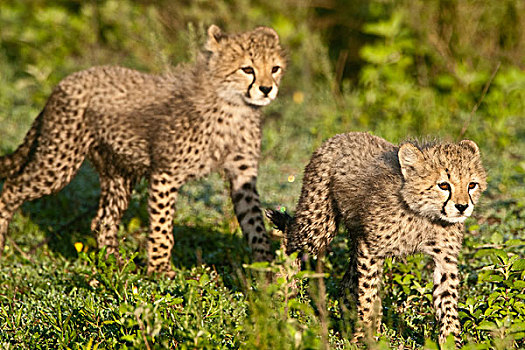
[[461, 208], [262, 89]]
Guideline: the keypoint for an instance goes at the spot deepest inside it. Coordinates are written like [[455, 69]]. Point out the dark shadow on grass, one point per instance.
[[65, 218], [224, 252]]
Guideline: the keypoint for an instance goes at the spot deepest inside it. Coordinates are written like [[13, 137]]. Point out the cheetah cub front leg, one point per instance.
[[444, 253], [162, 195], [242, 173]]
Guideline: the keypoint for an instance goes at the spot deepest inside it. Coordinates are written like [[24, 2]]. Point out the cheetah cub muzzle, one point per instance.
[[394, 201], [167, 128]]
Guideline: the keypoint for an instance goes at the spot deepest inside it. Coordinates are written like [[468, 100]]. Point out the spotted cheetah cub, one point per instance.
[[168, 129], [393, 200]]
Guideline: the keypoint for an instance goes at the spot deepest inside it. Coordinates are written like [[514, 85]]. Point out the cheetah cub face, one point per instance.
[[442, 182], [248, 66]]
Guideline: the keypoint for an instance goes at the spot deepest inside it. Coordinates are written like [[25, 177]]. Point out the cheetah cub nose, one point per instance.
[[265, 89], [461, 207]]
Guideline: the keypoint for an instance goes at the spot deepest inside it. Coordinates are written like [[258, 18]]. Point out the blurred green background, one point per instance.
[[448, 69]]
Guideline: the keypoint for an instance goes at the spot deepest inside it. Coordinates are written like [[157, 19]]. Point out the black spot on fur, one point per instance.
[[445, 294], [241, 216], [237, 197]]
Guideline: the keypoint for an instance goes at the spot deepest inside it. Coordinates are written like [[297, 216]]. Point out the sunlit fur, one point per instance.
[[394, 201], [169, 129]]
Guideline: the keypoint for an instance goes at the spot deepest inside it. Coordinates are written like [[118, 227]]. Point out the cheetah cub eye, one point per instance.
[[445, 186], [248, 70]]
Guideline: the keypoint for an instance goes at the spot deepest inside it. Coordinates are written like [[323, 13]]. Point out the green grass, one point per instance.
[[52, 296]]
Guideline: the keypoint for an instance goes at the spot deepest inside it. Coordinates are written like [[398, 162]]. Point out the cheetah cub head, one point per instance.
[[442, 182], [246, 67]]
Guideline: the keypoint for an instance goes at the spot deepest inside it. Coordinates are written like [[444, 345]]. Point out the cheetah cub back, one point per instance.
[[393, 200], [167, 128]]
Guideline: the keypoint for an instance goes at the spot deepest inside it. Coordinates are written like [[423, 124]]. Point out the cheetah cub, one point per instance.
[[393, 200], [168, 129]]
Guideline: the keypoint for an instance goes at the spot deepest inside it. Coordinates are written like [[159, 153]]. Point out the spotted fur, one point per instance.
[[393, 201], [168, 129]]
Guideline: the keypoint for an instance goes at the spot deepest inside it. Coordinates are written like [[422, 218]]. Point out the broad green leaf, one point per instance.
[[518, 284], [492, 297], [128, 337], [491, 278], [484, 252], [518, 265], [513, 242], [487, 326], [517, 327], [502, 256]]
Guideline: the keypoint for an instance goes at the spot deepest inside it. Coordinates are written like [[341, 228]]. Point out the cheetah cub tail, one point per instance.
[[12, 163], [282, 221]]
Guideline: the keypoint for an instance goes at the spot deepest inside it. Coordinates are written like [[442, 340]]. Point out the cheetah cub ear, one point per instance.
[[470, 145], [215, 35], [410, 157], [270, 32]]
